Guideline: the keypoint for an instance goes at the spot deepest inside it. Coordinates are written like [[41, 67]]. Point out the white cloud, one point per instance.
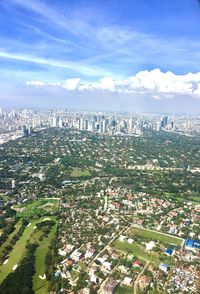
[[35, 83], [65, 64], [105, 84], [168, 82], [71, 84], [155, 83]]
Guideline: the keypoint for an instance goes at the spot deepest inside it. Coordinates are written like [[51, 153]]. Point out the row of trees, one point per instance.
[[20, 281], [15, 238]]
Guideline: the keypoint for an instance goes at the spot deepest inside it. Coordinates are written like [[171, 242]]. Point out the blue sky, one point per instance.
[[79, 53]]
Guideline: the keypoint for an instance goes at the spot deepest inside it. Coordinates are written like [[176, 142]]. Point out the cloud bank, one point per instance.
[[156, 83]]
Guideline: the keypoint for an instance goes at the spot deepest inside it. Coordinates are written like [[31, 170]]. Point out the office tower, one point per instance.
[[60, 122], [54, 122], [158, 126], [81, 123], [30, 129], [104, 125], [78, 123], [130, 126], [86, 124], [101, 127], [25, 131], [164, 121], [91, 126]]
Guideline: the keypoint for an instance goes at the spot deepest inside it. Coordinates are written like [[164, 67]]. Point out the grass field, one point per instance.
[[140, 252], [124, 290], [156, 236], [76, 173], [195, 199], [137, 251], [40, 286], [18, 250], [37, 208], [7, 242]]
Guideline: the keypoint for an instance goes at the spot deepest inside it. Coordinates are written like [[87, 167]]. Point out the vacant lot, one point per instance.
[[141, 253], [137, 251], [124, 290], [154, 236], [76, 173]]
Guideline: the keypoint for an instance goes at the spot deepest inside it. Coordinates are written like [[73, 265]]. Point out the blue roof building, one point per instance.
[[169, 251], [192, 243]]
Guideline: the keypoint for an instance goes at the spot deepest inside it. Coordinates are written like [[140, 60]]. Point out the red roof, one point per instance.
[[137, 263]]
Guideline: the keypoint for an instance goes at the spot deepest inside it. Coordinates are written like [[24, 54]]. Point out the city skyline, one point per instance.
[[116, 56]]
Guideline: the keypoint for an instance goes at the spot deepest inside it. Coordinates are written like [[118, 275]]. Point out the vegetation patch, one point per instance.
[[40, 285], [76, 173], [149, 235], [8, 240], [140, 252], [18, 251], [20, 281], [37, 208], [124, 290]]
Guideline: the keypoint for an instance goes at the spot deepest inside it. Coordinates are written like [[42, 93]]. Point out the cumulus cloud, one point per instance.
[[71, 84], [155, 82], [105, 84]]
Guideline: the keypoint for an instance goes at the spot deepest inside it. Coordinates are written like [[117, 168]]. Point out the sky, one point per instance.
[[130, 55]]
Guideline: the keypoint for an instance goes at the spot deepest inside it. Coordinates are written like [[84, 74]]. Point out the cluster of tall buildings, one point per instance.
[[27, 130], [101, 123], [16, 123], [112, 124]]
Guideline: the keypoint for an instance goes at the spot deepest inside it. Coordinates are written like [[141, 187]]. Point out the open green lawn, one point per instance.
[[18, 251], [40, 286], [139, 252], [80, 173], [195, 199], [124, 290], [156, 236], [40, 207], [75, 274], [7, 242]]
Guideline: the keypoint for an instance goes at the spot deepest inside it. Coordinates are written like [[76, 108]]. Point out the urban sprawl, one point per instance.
[[94, 202]]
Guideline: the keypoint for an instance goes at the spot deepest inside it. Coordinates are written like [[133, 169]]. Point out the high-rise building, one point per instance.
[[164, 121], [54, 122], [25, 131], [158, 126], [104, 126], [81, 123], [60, 122], [30, 129], [86, 124], [130, 125]]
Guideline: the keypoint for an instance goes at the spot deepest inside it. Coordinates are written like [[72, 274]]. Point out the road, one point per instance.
[[138, 277], [124, 230]]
